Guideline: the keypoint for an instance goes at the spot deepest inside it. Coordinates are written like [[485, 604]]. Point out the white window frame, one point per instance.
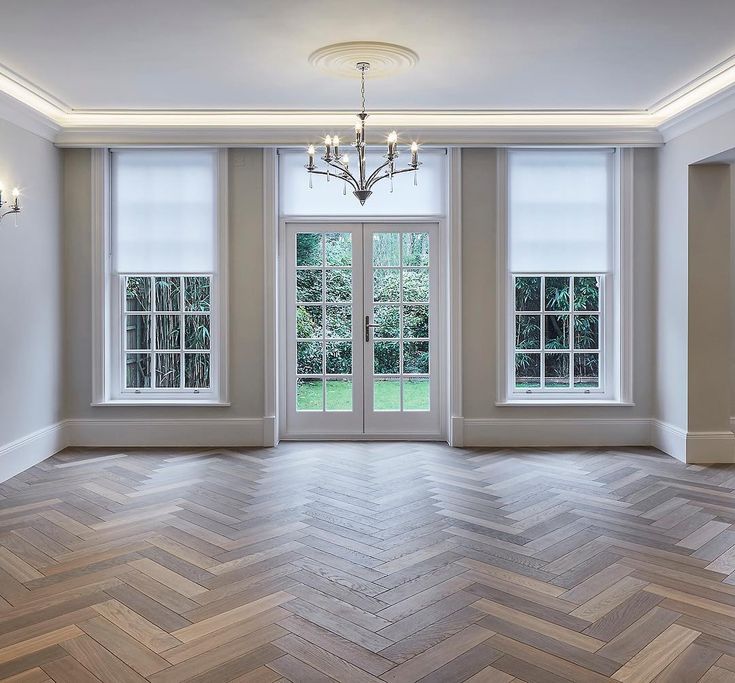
[[109, 308], [119, 317], [616, 308]]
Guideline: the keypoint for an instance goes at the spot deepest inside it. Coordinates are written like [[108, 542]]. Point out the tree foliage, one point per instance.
[[323, 276]]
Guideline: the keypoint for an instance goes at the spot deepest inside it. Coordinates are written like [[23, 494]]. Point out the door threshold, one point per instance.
[[365, 437]]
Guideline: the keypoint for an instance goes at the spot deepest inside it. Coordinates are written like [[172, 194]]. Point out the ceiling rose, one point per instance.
[[385, 59]]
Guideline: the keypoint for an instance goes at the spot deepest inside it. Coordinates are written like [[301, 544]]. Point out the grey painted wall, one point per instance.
[[31, 339], [246, 294], [479, 334], [710, 345], [675, 270]]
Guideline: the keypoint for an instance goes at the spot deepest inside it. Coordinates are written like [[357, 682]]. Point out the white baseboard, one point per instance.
[[456, 432], [689, 447], [270, 431], [556, 432], [693, 447], [172, 432], [669, 439], [29, 450], [19, 455], [710, 447]]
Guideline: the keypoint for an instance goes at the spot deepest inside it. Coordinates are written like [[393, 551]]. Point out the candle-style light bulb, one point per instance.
[[392, 140], [2, 187], [335, 142], [358, 133], [345, 160], [414, 153], [16, 194], [311, 151]]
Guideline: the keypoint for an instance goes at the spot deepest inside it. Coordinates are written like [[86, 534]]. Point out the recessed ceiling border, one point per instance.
[[32, 108]]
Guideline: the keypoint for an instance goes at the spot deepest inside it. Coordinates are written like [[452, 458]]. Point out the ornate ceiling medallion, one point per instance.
[[385, 59]]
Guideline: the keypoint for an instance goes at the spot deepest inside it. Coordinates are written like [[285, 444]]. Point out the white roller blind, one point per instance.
[[164, 210], [326, 198], [559, 210]]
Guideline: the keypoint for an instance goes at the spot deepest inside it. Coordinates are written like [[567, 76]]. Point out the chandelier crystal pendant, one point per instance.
[[337, 165]]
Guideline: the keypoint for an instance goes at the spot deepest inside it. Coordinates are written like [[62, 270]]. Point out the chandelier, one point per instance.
[[338, 165]]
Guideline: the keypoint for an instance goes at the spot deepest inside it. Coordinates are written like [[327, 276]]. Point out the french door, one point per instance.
[[362, 331]]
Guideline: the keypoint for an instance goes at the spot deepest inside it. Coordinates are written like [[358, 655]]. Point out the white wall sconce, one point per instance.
[[14, 204]]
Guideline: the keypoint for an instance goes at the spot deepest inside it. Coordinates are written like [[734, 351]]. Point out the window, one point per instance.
[[419, 194], [562, 277], [165, 272], [557, 338], [167, 332]]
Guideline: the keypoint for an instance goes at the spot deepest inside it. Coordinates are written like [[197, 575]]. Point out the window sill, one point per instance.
[[557, 402], [160, 402]]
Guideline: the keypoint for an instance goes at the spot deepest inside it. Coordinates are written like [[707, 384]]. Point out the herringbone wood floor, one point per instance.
[[367, 562]]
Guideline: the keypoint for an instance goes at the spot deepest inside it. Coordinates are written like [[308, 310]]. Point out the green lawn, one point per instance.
[[387, 394]]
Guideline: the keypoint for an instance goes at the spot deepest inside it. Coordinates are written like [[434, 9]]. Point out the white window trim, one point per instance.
[[616, 311], [106, 307]]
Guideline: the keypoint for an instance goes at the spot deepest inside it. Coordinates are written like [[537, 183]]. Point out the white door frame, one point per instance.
[[450, 228], [285, 431]]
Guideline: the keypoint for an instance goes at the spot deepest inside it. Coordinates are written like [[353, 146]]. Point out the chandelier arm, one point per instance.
[[375, 173], [345, 171], [15, 209], [336, 163], [345, 175], [388, 175]]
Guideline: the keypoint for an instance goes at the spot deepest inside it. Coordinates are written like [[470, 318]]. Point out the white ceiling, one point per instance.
[[474, 54]]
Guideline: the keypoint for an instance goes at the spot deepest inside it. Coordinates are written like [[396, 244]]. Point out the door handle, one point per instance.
[[368, 325]]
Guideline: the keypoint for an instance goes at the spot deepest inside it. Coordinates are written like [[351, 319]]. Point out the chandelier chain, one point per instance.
[[362, 88]]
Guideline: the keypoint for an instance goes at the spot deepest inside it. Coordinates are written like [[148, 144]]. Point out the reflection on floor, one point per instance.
[[364, 562]]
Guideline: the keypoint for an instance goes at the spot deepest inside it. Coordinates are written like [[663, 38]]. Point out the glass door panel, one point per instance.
[[323, 292], [400, 304]]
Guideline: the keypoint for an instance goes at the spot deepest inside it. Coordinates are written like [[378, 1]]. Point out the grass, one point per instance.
[[387, 395]]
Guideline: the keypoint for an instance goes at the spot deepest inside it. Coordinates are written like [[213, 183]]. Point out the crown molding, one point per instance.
[[16, 112], [719, 104], [712, 82], [31, 107], [291, 134]]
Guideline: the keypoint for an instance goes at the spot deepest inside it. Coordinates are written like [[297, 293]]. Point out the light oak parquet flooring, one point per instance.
[[367, 562]]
